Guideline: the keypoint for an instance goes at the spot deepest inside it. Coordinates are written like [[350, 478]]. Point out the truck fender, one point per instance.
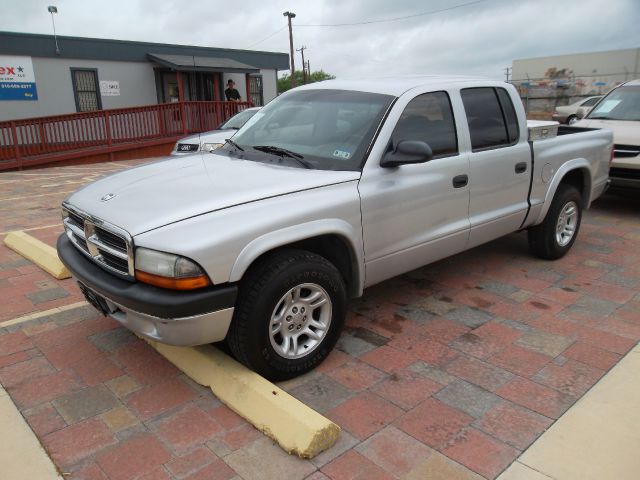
[[574, 164], [305, 231]]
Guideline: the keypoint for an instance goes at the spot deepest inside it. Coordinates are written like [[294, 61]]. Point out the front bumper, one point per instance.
[[624, 178], [174, 317]]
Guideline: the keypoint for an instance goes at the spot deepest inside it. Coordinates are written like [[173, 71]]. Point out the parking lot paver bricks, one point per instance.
[[447, 372]]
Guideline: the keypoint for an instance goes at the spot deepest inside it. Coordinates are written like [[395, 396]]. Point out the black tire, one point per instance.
[[571, 119], [261, 291], [542, 238]]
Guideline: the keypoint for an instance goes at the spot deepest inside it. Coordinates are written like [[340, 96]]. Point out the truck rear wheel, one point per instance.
[[555, 236], [289, 314]]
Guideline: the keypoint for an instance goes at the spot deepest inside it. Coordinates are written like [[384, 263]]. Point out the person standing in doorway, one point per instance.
[[231, 93]]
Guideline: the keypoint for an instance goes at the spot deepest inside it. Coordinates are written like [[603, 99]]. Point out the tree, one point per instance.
[[284, 83]]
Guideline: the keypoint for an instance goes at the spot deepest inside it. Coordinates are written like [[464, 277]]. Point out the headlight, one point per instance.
[[175, 147], [208, 147], [169, 271]]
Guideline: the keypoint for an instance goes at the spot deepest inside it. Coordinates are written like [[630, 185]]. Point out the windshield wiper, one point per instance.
[[234, 144], [601, 118], [283, 152]]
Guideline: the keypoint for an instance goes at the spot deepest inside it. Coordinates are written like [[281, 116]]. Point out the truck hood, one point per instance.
[[159, 193], [624, 132]]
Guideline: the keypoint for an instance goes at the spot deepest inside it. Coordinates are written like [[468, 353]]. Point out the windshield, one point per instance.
[[319, 129], [623, 103], [238, 120]]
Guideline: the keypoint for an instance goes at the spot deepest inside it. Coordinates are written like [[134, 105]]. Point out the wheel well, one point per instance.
[[332, 247], [581, 180]]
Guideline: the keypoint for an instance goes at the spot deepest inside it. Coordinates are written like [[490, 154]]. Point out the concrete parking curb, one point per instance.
[[21, 455], [298, 429], [43, 255]]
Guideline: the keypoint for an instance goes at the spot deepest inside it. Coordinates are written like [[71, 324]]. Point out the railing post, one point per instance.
[[107, 128], [16, 147], [183, 118], [161, 128]]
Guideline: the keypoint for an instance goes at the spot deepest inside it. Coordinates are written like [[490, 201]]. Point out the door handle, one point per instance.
[[521, 167], [460, 181]]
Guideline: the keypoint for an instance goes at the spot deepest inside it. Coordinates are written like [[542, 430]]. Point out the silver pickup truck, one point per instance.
[[329, 189]]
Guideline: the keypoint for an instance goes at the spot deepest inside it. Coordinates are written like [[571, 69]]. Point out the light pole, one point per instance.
[[293, 63], [53, 9]]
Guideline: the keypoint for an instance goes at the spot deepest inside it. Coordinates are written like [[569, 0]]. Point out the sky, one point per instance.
[[479, 37]]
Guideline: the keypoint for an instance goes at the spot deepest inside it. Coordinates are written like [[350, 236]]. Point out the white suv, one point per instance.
[[619, 111]]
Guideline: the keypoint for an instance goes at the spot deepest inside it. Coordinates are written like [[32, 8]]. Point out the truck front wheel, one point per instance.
[[554, 237], [289, 314]]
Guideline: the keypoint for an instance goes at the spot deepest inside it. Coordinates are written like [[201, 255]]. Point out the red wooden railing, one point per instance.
[[34, 141]]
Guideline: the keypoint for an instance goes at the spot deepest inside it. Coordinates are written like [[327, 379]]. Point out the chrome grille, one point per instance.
[[626, 151], [107, 245]]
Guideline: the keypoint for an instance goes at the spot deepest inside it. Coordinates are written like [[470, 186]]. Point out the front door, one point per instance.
[[414, 214]]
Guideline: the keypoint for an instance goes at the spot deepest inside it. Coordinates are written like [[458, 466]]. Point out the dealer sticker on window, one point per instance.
[[342, 154]]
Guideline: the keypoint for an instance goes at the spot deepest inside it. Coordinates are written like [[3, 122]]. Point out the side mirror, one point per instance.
[[407, 152]]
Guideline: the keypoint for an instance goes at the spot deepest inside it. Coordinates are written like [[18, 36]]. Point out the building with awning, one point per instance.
[[91, 99], [92, 74]]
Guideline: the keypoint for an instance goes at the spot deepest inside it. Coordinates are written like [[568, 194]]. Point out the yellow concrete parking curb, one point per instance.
[[21, 455], [43, 255], [298, 429]]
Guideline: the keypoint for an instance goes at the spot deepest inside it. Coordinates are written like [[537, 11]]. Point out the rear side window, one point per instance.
[[509, 114], [590, 103], [429, 118], [491, 117]]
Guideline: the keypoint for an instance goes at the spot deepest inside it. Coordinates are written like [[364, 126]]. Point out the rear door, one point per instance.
[[499, 164], [415, 214]]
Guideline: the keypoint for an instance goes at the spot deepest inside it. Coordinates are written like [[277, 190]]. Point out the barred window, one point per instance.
[[86, 90]]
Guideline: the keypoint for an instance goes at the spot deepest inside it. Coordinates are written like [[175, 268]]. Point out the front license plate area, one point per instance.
[[95, 300]]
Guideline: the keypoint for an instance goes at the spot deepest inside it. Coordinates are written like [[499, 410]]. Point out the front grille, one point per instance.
[[187, 147], [626, 173], [113, 261], [111, 239], [76, 220], [626, 151], [107, 245]]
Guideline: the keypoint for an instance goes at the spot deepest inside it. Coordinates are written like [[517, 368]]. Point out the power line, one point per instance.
[[432, 12], [267, 38]]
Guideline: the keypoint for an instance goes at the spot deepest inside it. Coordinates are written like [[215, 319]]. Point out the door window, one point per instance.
[[428, 118], [491, 117]]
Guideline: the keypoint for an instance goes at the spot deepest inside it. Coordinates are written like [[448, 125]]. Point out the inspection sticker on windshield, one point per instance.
[[342, 154]]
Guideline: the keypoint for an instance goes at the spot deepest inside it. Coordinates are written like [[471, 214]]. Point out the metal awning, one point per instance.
[[189, 63]]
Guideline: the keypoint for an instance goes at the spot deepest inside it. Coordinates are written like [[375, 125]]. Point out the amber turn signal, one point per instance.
[[187, 283]]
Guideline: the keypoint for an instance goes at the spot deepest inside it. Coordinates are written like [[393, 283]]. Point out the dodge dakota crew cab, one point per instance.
[[330, 188]]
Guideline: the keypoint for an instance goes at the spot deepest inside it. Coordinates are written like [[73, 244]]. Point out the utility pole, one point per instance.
[[291, 15], [309, 69], [304, 65], [507, 72]]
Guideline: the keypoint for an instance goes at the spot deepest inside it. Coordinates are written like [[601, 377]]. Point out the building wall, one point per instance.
[[595, 72], [55, 88], [269, 84]]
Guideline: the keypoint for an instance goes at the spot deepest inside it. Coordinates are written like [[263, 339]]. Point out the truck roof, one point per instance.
[[397, 85]]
